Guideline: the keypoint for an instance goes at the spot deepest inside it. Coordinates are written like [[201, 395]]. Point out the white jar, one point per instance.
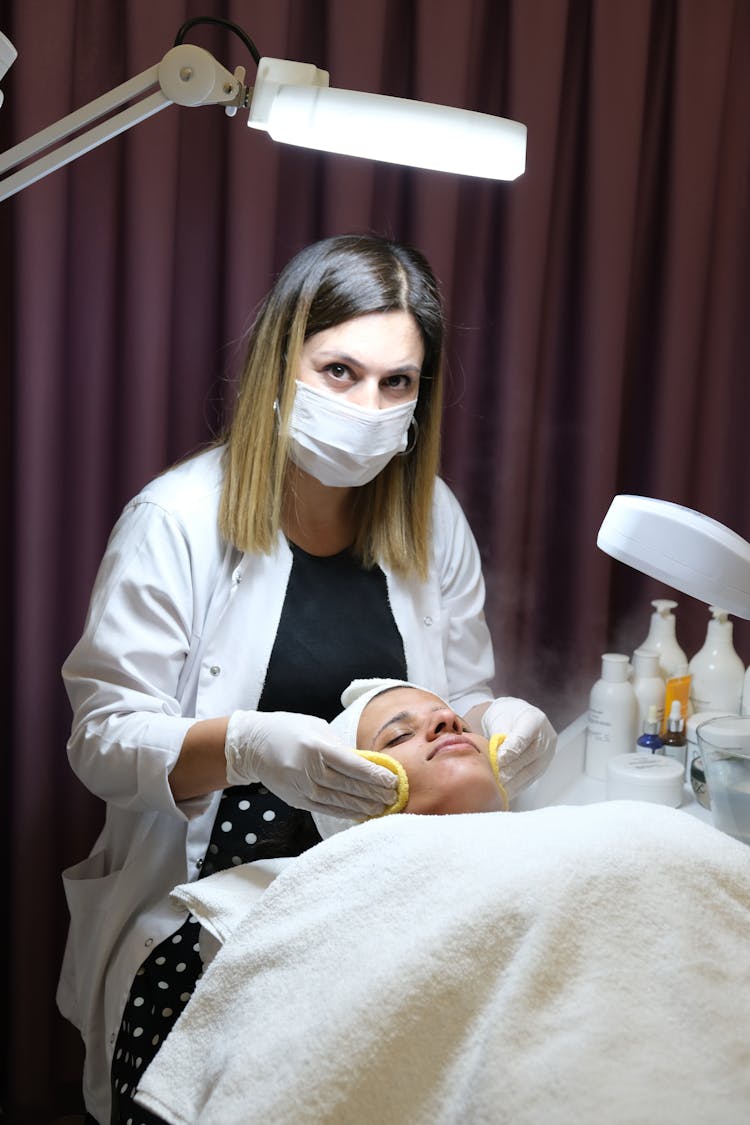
[[645, 777], [612, 724]]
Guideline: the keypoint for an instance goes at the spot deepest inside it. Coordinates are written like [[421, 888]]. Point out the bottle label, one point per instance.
[[676, 750], [598, 727]]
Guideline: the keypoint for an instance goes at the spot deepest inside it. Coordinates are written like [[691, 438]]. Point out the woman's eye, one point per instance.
[[399, 382], [337, 370]]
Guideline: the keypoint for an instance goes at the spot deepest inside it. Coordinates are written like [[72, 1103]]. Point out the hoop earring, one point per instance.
[[410, 447]]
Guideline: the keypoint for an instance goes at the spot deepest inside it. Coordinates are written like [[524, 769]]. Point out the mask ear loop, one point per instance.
[[413, 442]]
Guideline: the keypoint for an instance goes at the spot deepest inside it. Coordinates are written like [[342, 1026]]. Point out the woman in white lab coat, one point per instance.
[[239, 594]]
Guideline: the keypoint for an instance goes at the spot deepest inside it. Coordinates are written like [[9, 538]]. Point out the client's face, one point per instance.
[[449, 769]]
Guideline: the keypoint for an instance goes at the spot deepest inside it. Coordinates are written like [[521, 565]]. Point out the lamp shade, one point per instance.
[[294, 104], [680, 547]]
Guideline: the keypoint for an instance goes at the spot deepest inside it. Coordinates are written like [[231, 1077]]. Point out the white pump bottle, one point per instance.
[[716, 670], [745, 706], [663, 639]]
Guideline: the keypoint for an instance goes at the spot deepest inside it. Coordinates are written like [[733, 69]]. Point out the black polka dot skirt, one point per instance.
[[250, 824]]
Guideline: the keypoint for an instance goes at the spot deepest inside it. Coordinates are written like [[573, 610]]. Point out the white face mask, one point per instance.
[[343, 445]]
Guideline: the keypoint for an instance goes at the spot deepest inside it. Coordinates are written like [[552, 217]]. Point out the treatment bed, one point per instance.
[[578, 963]]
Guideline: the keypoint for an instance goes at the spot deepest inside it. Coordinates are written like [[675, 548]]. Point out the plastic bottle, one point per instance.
[[650, 741], [717, 672], [648, 684], [675, 739], [612, 726], [663, 639], [745, 706]]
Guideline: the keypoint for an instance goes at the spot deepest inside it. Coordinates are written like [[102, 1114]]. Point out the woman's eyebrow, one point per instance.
[[338, 356], [401, 717]]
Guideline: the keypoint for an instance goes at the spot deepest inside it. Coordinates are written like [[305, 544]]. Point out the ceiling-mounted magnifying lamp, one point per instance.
[[291, 101]]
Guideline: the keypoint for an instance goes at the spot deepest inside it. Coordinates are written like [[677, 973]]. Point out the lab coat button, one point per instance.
[[149, 941], [215, 670], [428, 621]]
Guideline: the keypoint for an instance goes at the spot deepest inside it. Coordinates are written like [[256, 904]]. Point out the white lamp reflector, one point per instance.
[[680, 547]]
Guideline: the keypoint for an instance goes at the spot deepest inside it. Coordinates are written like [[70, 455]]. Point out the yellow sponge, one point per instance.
[[495, 743], [395, 767]]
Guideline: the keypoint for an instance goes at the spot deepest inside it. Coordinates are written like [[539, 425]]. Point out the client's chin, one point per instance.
[[461, 784]]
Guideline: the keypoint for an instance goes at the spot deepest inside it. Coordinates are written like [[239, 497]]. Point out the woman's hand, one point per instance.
[[300, 759], [529, 745]]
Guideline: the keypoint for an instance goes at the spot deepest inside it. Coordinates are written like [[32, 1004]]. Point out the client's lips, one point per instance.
[[451, 742]]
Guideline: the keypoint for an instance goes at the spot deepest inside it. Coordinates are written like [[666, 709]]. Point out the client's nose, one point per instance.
[[442, 720]]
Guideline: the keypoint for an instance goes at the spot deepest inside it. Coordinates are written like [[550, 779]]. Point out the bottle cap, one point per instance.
[[663, 606], [646, 662], [615, 667], [675, 720], [652, 724]]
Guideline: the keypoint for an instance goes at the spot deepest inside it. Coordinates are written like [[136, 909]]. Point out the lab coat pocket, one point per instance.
[[94, 925]]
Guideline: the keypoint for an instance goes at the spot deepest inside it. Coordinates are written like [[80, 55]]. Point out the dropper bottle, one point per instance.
[[675, 740], [650, 741]]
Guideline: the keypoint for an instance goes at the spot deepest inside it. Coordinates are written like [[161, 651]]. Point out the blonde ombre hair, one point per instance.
[[324, 285]]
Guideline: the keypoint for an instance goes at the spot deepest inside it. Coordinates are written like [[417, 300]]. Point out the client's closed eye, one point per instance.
[[400, 737]]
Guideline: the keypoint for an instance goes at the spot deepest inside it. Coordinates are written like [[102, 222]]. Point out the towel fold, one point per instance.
[[220, 901], [562, 965]]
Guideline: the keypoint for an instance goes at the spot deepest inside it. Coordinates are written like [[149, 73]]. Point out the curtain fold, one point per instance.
[[599, 341]]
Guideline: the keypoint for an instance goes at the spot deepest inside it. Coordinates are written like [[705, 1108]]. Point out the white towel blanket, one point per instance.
[[566, 966]]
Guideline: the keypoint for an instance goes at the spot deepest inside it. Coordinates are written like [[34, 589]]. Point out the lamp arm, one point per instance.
[[187, 76], [293, 103]]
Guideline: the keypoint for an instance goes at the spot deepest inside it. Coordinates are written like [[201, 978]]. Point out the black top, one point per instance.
[[336, 626]]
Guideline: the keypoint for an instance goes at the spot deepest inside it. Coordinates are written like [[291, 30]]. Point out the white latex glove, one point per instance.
[[529, 745], [300, 759]]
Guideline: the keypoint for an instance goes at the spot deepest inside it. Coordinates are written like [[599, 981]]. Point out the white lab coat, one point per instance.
[[180, 627]]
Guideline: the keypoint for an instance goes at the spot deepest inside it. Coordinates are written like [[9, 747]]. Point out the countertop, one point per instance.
[[565, 782]]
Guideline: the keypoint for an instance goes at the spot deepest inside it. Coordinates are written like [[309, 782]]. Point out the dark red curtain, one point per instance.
[[599, 339]]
